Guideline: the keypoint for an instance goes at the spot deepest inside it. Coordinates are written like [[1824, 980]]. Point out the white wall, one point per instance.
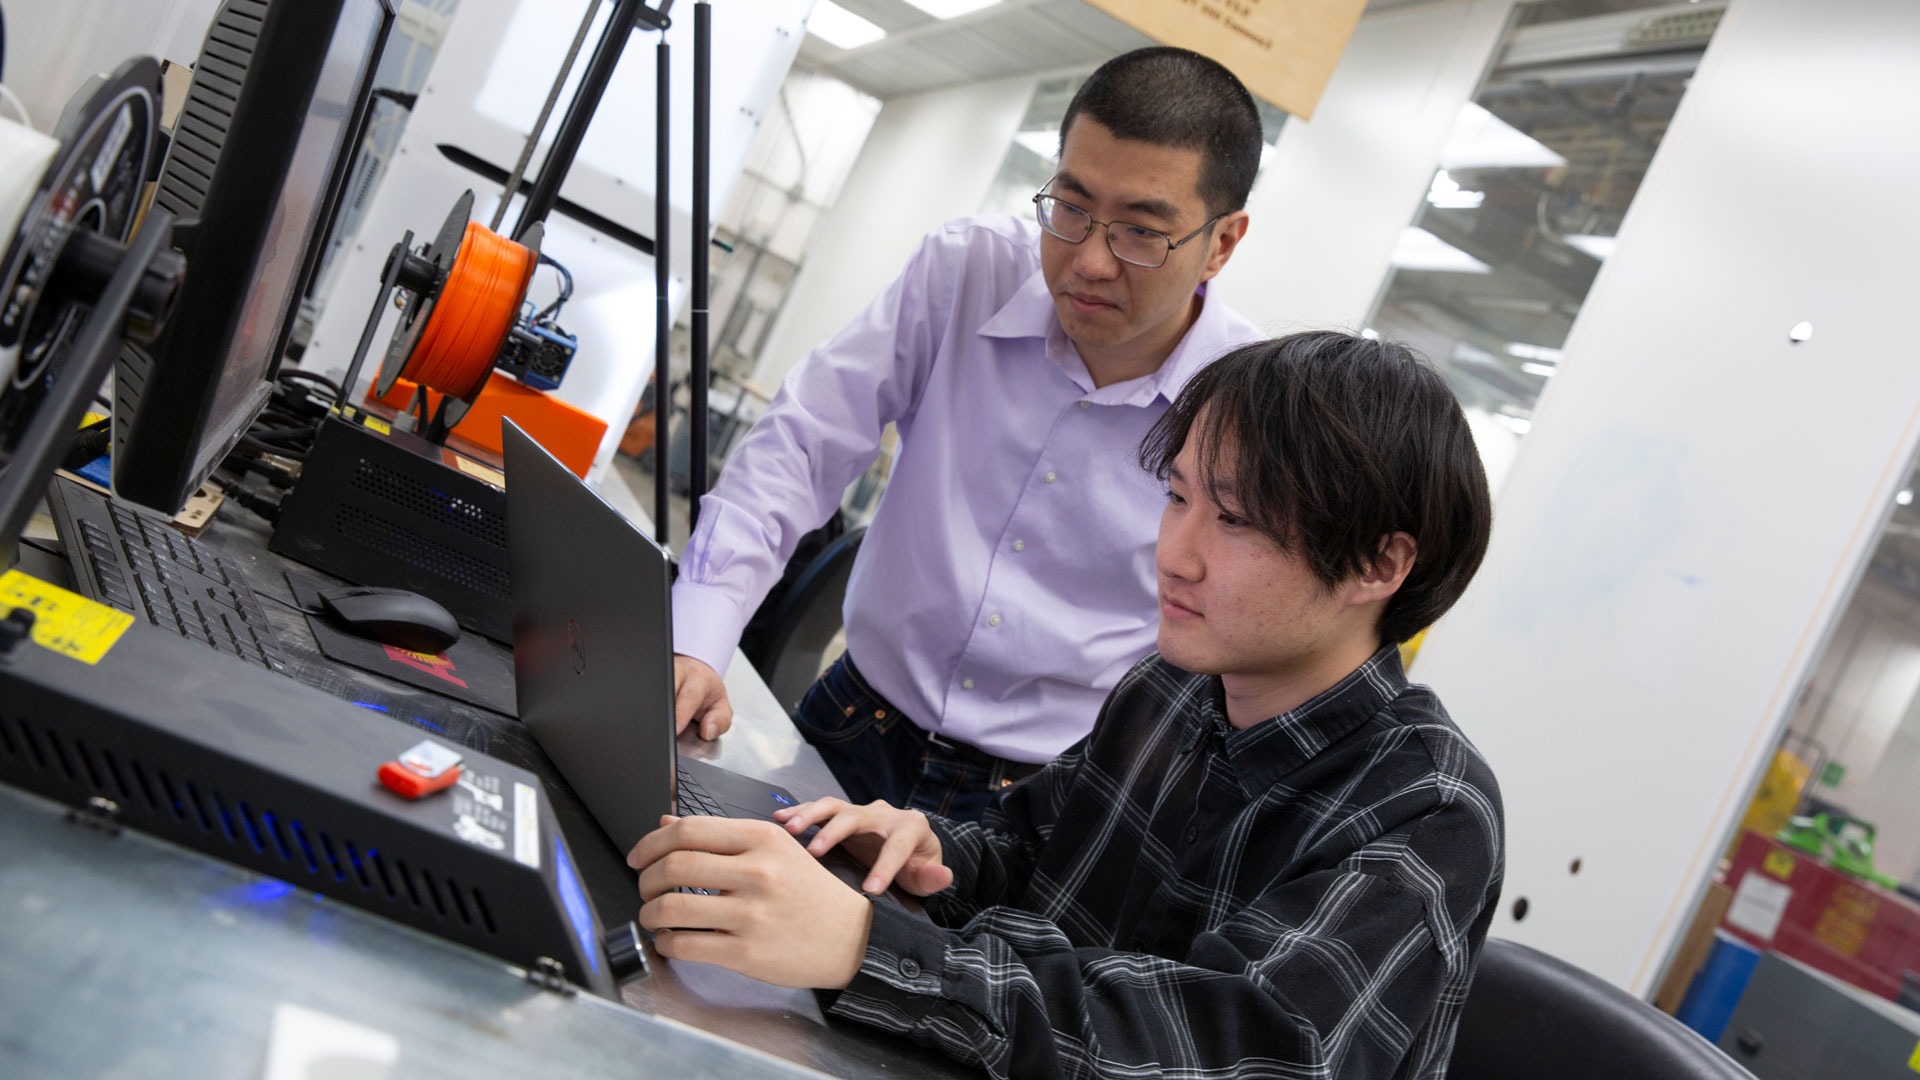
[[1697, 494], [929, 157], [55, 45], [1339, 189]]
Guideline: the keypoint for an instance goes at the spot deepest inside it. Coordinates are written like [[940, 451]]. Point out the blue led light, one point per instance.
[[371, 705], [573, 900], [428, 723]]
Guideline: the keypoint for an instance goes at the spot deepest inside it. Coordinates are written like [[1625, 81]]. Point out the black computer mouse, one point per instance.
[[395, 617]]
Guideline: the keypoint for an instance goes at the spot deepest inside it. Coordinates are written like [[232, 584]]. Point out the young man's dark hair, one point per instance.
[[1175, 97], [1337, 442]]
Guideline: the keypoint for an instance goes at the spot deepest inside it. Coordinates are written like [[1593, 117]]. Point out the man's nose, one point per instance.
[[1176, 555], [1093, 259]]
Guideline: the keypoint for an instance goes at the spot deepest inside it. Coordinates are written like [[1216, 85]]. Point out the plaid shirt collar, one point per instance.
[[1266, 753]]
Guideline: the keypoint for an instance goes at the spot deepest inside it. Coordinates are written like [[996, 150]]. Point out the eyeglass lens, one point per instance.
[[1133, 243]]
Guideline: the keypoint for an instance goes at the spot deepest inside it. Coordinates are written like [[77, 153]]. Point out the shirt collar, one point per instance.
[[1030, 313], [1264, 754]]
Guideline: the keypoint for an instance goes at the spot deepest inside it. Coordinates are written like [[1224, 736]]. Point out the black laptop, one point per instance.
[[593, 655]]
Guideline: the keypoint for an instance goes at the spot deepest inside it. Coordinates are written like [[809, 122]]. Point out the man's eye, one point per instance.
[[1231, 521], [1175, 499], [1136, 232]]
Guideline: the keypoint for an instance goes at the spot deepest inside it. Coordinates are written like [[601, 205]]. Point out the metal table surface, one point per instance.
[[312, 949]]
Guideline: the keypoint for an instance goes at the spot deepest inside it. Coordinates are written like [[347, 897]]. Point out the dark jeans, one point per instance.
[[877, 753]]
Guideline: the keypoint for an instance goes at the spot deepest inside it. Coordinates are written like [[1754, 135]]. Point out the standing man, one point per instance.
[[1006, 582]]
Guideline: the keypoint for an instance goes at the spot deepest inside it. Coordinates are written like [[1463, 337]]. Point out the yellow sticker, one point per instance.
[[481, 472], [67, 623], [374, 423], [1779, 864], [1914, 1061]]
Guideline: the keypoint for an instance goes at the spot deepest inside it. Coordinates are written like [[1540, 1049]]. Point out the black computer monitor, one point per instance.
[[260, 157]]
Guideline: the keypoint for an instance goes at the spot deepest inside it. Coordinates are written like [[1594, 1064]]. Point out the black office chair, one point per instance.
[[790, 640], [1532, 1017]]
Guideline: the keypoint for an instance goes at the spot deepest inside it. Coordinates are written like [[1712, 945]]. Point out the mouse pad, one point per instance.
[[471, 671]]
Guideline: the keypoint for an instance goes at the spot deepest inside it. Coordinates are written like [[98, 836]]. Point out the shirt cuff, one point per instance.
[[707, 622], [902, 971]]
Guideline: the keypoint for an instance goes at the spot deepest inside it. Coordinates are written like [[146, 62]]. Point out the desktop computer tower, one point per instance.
[[384, 507]]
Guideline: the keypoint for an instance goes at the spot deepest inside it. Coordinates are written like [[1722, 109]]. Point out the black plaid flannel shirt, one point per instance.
[[1172, 897]]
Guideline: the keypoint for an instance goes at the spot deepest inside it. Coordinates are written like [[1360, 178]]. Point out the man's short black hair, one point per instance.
[[1178, 98], [1331, 444]]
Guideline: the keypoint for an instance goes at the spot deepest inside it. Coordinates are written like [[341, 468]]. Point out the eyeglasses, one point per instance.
[[1134, 244]]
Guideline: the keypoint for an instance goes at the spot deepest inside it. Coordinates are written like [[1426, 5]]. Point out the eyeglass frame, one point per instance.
[[1172, 244]]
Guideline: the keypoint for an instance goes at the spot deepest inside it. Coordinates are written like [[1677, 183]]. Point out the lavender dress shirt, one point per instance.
[[1006, 582]]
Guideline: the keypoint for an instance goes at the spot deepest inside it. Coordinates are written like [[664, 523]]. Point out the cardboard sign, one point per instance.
[[1284, 50]]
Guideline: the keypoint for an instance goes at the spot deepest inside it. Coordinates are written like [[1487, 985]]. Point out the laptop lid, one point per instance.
[[592, 641]]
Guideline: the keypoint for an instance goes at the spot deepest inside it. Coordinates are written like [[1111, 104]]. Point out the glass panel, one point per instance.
[[1824, 867], [1532, 184]]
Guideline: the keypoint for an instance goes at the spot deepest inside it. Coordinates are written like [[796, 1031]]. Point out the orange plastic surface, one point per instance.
[[571, 434], [408, 784]]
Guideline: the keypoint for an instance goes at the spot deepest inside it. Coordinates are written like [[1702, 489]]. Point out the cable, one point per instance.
[[552, 311], [266, 508], [297, 375], [289, 604], [18, 106]]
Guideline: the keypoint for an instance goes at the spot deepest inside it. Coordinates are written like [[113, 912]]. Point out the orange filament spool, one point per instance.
[[475, 309]]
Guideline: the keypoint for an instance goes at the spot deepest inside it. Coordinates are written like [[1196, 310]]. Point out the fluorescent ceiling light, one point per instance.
[[1545, 371], [1481, 140], [1447, 194], [1905, 498], [950, 9], [1043, 143], [1370, 334], [836, 25], [1419, 249], [1600, 247], [1534, 352]]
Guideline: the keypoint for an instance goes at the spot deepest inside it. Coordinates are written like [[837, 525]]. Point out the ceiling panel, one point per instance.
[[1010, 38]]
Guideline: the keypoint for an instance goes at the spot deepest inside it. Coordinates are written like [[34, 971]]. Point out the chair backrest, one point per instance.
[[1530, 1016], [805, 621]]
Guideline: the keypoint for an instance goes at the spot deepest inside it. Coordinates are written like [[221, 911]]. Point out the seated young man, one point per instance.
[[1272, 855]]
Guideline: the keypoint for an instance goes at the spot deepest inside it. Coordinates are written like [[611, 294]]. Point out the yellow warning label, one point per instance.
[[1914, 1061], [1779, 864], [374, 423], [67, 623], [481, 472]]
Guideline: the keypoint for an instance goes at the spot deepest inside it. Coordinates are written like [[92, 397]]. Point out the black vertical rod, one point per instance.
[[662, 281], [702, 125], [573, 127]]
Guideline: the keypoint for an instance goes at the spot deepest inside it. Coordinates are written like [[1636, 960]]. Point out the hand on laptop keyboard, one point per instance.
[[784, 918]]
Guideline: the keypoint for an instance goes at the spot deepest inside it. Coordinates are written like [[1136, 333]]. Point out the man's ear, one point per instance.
[[1390, 567], [1227, 234]]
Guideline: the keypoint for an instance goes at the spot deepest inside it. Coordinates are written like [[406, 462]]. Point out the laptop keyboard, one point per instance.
[[694, 800]]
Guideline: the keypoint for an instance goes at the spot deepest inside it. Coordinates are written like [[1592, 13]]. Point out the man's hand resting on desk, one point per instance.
[[698, 694], [776, 915], [897, 845]]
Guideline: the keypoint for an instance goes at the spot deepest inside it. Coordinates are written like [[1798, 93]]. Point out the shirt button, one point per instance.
[[1051, 478], [910, 968], [993, 620], [1019, 545], [1085, 404], [966, 684], [1192, 834]]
